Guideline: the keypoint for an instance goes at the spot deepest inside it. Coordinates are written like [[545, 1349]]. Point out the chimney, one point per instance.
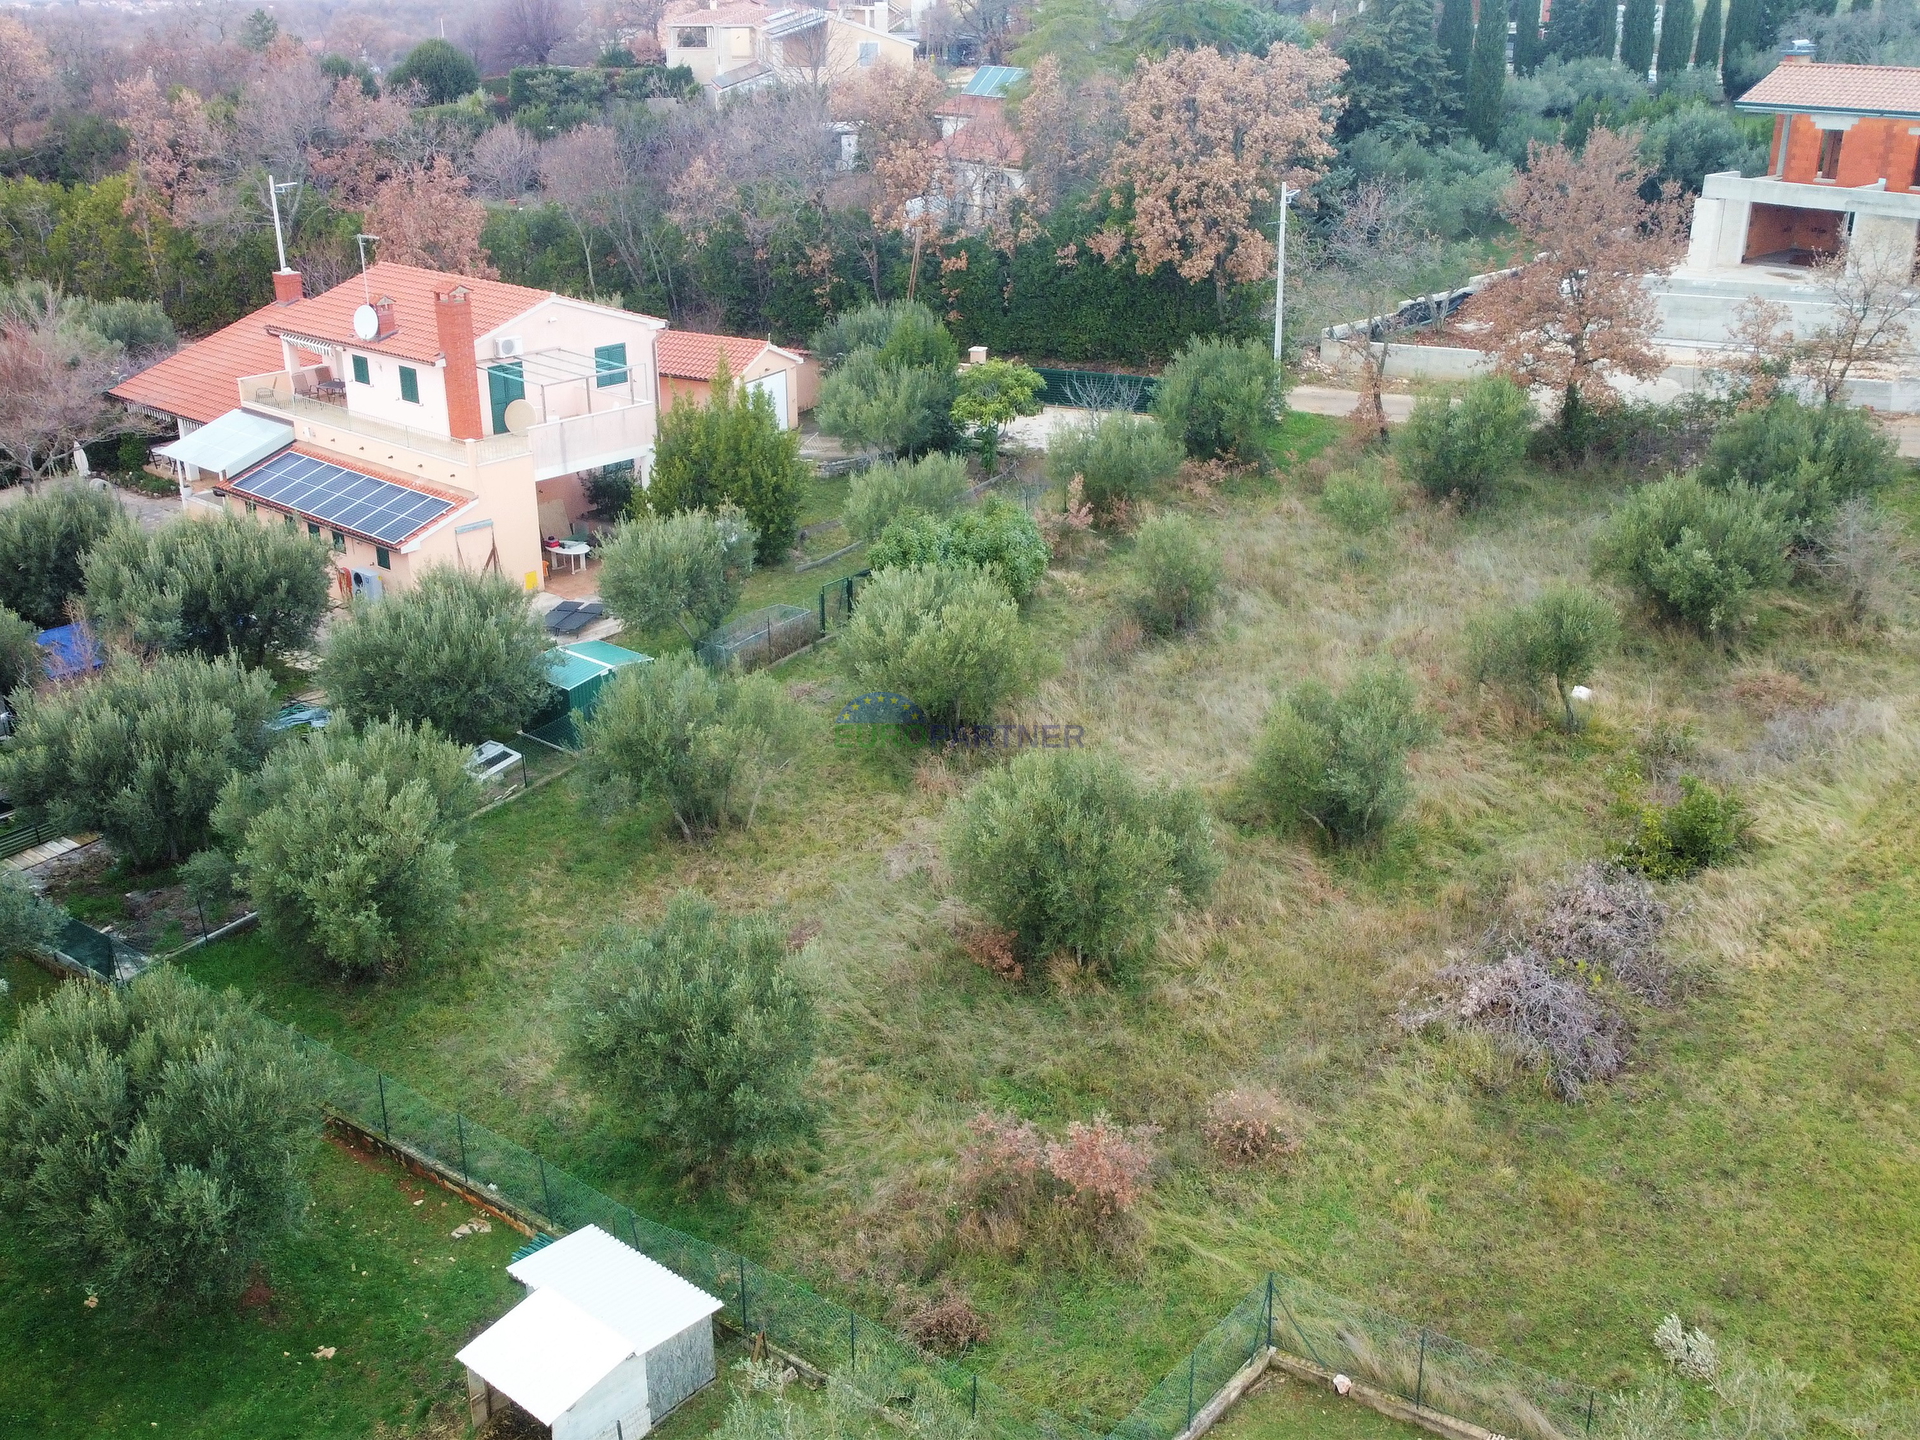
[[389, 326], [977, 355], [453, 321], [1798, 52], [288, 287]]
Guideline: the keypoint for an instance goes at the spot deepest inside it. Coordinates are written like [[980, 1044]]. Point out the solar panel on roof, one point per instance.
[[993, 81], [342, 498]]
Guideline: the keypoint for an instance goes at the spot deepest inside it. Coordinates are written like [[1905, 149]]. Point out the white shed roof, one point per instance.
[[546, 1354], [640, 1300], [231, 443]]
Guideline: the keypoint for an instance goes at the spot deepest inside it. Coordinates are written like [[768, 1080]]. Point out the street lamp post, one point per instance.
[[1280, 269]]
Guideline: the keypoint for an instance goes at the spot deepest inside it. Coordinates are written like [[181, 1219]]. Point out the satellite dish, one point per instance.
[[519, 417], [366, 322]]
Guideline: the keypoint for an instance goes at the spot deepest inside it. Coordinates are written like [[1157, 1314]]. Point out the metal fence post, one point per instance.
[[1589, 1412], [1420, 1381], [385, 1133], [973, 1405], [1269, 1309], [633, 1227], [743, 1295], [1301, 1333], [460, 1129], [1193, 1361], [546, 1195], [853, 1344]]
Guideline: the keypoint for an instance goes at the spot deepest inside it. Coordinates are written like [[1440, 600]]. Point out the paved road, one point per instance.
[[1319, 400]]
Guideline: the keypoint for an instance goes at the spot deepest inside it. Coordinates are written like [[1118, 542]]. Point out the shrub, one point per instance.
[[1176, 576], [1246, 1127], [1814, 459], [1358, 502], [1864, 553], [1119, 458], [153, 1136], [698, 1025], [1339, 762], [43, 540], [947, 637], [947, 1325], [1542, 1018], [704, 744], [28, 920], [684, 570], [401, 752], [1701, 829], [731, 451], [1696, 555], [131, 453], [610, 492], [998, 536], [989, 397], [872, 406], [349, 865], [932, 485], [460, 651], [218, 586], [903, 332], [1467, 447], [1070, 852], [21, 662], [1021, 1187], [1554, 640], [440, 68], [1220, 397], [140, 753]]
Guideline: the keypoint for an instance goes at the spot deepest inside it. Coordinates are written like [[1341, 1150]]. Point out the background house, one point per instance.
[[412, 417], [688, 360], [741, 43]]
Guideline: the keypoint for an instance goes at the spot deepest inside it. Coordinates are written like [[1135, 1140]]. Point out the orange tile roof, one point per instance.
[[691, 355], [971, 107], [198, 381], [329, 316], [984, 142], [1892, 90], [735, 12]]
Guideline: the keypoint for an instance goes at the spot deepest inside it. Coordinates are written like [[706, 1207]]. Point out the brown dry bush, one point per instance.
[[992, 949], [1021, 1190], [1546, 1020], [1606, 921], [1251, 1126], [946, 1325]]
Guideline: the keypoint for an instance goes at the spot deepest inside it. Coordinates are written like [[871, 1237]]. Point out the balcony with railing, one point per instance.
[[311, 410]]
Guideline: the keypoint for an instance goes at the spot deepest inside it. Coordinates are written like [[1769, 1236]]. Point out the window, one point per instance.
[[383, 557], [339, 543], [610, 365], [361, 375], [312, 529], [292, 524], [410, 384], [252, 509], [869, 51], [690, 37], [1830, 153]]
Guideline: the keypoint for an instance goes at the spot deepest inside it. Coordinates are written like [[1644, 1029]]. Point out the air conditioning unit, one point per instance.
[[506, 346]]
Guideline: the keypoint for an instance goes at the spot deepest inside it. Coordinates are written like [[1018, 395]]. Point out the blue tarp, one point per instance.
[[71, 650]]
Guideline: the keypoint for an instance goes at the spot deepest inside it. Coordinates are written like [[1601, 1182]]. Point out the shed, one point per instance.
[[605, 1346], [580, 670], [688, 360]]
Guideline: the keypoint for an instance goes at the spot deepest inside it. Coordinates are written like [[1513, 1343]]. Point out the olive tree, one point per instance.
[[1697, 555], [1337, 762], [1465, 446], [685, 570], [948, 638], [1070, 851], [700, 1028], [44, 538], [1177, 576], [141, 753], [28, 920], [154, 1137], [213, 586], [20, 660], [460, 651], [1119, 458], [1220, 397], [932, 485], [1553, 641]]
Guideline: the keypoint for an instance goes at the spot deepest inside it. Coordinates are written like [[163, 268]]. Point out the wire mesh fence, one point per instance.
[[1428, 1369], [837, 599], [1097, 389], [760, 638]]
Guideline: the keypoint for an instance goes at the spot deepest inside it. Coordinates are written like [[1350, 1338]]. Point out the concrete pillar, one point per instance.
[[1703, 240], [1882, 240]]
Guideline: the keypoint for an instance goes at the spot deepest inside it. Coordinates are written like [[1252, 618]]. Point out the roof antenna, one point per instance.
[[273, 198], [361, 241]]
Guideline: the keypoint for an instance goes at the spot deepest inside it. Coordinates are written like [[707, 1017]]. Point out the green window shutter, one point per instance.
[[361, 375], [410, 384], [339, 542], [611, 363], [312, 529], [383, 557]]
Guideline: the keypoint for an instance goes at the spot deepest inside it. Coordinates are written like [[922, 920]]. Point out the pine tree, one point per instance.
[[1456, 36], [1676, 39], [1527, 48], [1487, 73], [1706, 48], [1636, 36]]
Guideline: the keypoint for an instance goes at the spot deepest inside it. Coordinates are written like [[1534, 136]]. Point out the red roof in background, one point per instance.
[[197, 381], [734, 12], [329, 316], [1892, 90], [972, 107], [692, 355], [988, 141]]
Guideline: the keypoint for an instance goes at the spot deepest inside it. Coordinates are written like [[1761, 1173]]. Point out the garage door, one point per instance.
[[774, 387]]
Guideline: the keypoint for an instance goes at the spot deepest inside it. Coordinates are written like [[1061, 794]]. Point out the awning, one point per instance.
[[228, 445]]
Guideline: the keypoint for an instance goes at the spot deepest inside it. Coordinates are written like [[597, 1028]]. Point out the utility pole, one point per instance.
[[1287, 194], [274, 187]]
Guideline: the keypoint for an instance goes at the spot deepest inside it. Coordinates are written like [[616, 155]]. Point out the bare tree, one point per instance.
[[526, 31], [53, 381], [1068, 130], [506, 162], [1871, 300], [425, 217], [25, 72], [1581, 313], [580, 172], [284, 114]]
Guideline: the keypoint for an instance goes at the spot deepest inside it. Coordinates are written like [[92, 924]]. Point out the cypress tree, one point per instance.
[[1636, 37], [1603, 28], [1487, 73], [1527, 48], [1706, 48], [1566, 30], [1456, 36], [1744, 21], [1676, 39]]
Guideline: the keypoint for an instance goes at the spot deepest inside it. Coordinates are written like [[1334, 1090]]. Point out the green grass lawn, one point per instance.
[[1283, 1408], [1756, 1170]]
